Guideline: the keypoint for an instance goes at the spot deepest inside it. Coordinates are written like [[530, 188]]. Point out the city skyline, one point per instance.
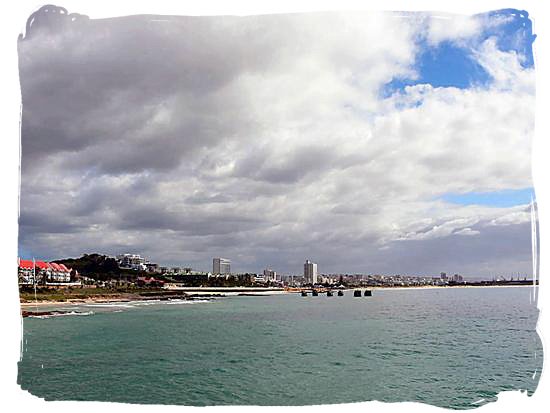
[[309, 271], [403, 153]]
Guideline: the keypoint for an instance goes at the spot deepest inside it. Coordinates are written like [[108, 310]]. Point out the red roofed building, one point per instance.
[[25, 272], [41, 264], [42, 272], [150, 282]]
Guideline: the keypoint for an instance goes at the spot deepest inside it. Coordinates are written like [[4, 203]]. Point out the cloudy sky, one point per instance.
[[365, 142]]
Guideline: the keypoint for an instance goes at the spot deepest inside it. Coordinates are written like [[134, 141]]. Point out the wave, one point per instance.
[[44, 316], [108, 305], [172, 302]]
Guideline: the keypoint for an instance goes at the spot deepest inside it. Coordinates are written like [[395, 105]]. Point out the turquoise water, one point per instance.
[[445, 347]]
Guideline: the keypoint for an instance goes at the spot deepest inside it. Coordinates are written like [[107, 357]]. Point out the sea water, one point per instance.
[[449, 347]]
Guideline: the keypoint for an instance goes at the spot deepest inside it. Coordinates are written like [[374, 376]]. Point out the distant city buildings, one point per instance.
[[37, 272], [310, 272], [221, 266]]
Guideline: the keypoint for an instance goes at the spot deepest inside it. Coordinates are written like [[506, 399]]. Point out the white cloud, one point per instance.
[[467, 231], [452, 28], [505, 68], [512, 217]]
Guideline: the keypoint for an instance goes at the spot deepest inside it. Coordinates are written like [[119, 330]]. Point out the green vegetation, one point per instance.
[[27, 294], [96, 266]]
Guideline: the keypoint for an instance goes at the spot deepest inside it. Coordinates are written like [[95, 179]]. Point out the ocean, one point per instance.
[[448, 347]]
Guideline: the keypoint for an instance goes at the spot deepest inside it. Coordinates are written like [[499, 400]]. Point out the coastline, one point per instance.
[[192, 294], [429, 287], [164, 295]]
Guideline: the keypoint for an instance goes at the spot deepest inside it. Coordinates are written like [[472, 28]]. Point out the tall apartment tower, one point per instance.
[[221, 266], [310, 272], [270, 275]]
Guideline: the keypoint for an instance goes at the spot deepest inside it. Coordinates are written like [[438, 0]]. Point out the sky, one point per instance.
[[393, 143]]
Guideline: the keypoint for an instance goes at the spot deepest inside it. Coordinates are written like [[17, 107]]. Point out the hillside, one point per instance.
[[97, 266]]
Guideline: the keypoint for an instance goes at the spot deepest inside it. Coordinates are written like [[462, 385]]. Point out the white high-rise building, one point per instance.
[[221, 266], [310, 272], [270, 275]]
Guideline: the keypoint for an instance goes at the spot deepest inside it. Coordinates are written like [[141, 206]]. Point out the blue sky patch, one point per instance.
[[514, 35], [502, 199], [453, 65], [447, 65]]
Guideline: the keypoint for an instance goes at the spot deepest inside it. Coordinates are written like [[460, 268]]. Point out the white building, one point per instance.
[[221, 266], [259, 278], [310, 272], [270, 275], [132, 261]]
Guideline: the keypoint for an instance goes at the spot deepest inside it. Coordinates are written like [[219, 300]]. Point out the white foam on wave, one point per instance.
[[108, 305], [145, 303], [173, 302], [62, 314]]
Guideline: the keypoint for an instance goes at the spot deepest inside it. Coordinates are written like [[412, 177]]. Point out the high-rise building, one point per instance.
[[270, 275], [221, 266], [310, 272]]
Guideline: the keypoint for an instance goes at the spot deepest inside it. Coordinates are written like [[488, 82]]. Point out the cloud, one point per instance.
[[454, 28], [265, 139], [467, 231]]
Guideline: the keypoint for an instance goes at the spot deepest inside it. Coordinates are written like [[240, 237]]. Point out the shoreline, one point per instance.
[[429, 287], [197, 294]]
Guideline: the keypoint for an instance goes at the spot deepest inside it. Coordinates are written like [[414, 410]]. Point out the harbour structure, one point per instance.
[[310, 272], [221, 266]]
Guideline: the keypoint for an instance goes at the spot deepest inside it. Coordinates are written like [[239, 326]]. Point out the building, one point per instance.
[[152, 267], [149, 282], [221, 266], [31, 272], [258, 278], [270, 275], [310, 272], [457, 278], [26, 274], [131, 261]]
